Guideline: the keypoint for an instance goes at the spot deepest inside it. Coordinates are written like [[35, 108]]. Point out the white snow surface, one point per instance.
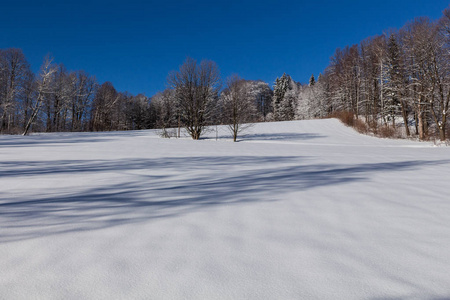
[[294, 210]]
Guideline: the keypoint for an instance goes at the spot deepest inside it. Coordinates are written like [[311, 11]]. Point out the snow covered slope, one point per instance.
[[295, 210]]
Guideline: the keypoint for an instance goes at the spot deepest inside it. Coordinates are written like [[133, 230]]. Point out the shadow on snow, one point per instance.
[[164, 187], [282, 136]]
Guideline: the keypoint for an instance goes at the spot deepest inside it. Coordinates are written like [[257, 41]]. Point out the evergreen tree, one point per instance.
[[279, 91], [312, 80], [320, 78], [395, 79]]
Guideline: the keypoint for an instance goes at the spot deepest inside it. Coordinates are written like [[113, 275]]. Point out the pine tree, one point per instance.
[[395, 81], [279, 91], [312, 80], [320, 78]]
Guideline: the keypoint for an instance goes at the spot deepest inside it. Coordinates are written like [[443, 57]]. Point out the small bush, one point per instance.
[[382, 131], [360, 126], [346, 117], [373, 127], [168, 133], [386, 132]]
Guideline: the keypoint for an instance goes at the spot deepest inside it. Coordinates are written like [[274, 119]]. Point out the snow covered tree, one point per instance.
[[320, 78], [238, 107], [344, 76], [285, 95], [312, 102], [418, 46], [395, 85], [261, 94], [289, 103], [440, 74], [279, 91]]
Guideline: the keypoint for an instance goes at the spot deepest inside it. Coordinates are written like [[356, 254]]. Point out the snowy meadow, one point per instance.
[[294, 210]]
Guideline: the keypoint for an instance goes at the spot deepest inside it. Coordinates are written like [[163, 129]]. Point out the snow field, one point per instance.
[[295, 210]]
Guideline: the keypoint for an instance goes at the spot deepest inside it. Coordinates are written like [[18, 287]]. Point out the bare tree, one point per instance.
[[28, 95], [137, 112], [196, 91], [57, 103], [238, 107], [84, 90], [14, 70], [103, 108], [43, 88], [262, 95], [166, 110], [424, 70]]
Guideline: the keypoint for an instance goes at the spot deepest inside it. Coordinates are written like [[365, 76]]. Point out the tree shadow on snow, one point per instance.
[[409, 298], [165, 187], [282, 136], [32, 141], [46, 139]]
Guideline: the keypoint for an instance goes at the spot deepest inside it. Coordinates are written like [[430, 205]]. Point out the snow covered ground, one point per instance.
[[295, 210]]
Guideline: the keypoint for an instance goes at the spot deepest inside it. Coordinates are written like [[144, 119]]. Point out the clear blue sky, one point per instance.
[[134, 44]]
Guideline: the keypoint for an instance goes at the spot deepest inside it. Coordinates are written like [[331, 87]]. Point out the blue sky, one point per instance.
[[135, 44]]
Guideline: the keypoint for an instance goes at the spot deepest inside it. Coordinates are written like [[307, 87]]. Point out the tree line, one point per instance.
[[402, 76], [400, 79], [58, 100]]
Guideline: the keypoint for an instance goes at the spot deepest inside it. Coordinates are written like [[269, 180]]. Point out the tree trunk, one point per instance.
[[416, 122], [405, 118], [421, 126], [442, 132], [32, 117]]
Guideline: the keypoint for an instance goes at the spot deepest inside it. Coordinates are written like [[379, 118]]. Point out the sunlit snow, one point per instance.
[[294, 210]]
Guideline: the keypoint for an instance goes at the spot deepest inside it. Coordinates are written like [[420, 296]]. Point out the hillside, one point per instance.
[[294, 210]]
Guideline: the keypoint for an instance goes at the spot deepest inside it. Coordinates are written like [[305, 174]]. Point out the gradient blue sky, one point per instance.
[[134, 44]]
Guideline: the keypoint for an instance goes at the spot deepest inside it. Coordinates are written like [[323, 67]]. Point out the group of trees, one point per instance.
[[402, 76], [400, 79], [196, 99], [58, 100]]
